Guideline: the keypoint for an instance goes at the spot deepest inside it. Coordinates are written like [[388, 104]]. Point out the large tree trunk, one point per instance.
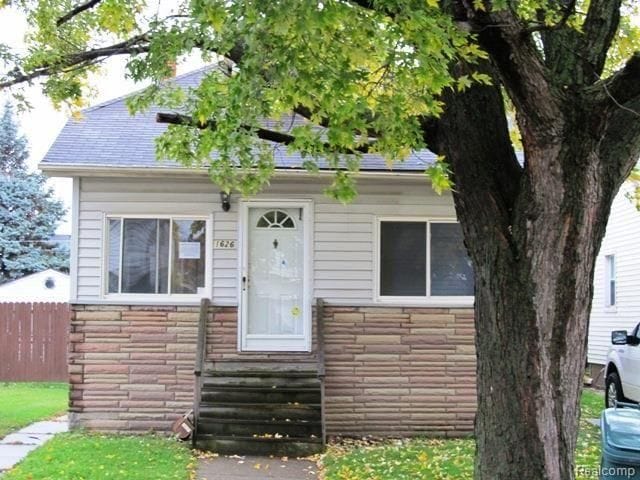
[[532, 310], [536, 235]]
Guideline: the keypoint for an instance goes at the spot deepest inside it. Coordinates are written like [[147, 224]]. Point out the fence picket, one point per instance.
[[33, 341]]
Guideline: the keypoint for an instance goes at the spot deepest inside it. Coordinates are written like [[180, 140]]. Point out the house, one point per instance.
[[61, 240], [324, 319], [46, 286], [616, 287]]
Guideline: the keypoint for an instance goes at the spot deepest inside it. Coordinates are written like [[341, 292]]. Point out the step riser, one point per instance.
[[308, 367], [267, 412], [268, 397], [248, 447], [244, 430], [259, 382]]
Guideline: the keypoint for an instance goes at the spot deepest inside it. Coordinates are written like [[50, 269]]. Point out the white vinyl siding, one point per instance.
[[621, 241], [343, 235]]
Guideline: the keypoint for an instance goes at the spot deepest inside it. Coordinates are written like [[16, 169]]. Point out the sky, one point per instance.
[[42, 124]]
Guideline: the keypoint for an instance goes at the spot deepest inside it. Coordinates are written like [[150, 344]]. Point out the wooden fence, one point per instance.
[[33, 341]]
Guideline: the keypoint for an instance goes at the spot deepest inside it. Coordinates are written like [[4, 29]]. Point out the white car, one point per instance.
[[622, 377]]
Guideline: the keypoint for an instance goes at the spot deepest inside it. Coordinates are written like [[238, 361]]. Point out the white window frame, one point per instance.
[[243, 268], [156, 297], [611, 277], [428, 299]]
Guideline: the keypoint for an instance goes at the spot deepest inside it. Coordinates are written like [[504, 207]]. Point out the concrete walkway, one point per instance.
[[15, 446], [255, 468]]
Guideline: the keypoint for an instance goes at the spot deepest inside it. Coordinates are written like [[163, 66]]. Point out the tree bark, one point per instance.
[[536, 235]]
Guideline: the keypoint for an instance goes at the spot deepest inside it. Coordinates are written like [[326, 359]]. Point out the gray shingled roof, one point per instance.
[[109, 137]]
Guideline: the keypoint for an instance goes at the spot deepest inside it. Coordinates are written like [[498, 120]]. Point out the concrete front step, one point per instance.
[[250, 428], [264, 366], [256, 372], [239, 380], [289, 447]]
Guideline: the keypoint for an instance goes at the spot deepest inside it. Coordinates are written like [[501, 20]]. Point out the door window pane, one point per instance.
[[187, 270], [451, 269], [403, 258]]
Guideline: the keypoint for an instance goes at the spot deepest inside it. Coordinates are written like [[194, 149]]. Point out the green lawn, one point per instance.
[[78, 456], [24, 403], [422, 459]]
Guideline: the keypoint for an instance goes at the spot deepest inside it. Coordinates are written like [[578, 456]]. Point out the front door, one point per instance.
[[275, 311]]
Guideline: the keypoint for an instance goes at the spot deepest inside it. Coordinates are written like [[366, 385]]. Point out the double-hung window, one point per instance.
[[610, 266], [422, 259], [156, 255]]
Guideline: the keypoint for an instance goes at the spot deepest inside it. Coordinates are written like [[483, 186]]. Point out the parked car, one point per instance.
[[622, 381]]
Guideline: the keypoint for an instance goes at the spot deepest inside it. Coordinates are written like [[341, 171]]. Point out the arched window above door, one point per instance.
[[275, 219]]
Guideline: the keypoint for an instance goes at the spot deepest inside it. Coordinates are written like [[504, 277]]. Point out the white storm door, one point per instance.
[[275, 307]]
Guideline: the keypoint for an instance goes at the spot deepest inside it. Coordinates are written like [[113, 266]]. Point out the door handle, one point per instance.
[[245, 281]]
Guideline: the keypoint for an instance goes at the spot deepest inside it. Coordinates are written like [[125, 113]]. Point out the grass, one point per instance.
[[25, 403], [81, 456], [428, 459]]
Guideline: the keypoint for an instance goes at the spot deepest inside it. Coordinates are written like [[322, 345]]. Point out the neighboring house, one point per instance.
[[46, 286], [616, 299], [390, 352], [61, 240]]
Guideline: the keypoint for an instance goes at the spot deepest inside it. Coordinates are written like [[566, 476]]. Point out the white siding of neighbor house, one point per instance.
[[622, 240], [344, 235], [33, 288]]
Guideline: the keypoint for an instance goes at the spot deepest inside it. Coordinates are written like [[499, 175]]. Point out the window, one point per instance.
[[423, 259], [610, 265], [275, 219], [156, 255]]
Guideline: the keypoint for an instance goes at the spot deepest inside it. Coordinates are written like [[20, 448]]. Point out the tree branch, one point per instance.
[[473, 135], [262, 133], [539, 27], [623, 86], [600, 27], [75, 11], [521, 70], [135, 45], [620, 144]]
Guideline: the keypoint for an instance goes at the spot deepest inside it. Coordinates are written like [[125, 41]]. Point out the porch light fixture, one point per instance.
[[225, 199]]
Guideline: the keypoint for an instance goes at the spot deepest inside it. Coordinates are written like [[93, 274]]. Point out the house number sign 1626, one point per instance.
[[224, 244]]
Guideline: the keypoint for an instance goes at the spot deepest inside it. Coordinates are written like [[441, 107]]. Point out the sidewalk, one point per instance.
[[15, 446], [255, 468]]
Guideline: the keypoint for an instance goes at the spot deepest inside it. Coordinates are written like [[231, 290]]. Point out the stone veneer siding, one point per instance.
[[389, 371], [399, 371]]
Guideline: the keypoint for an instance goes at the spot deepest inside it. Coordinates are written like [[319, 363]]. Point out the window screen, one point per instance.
[[114, 256], [403, 258], [451, 269], [145, 252], [187, 270]]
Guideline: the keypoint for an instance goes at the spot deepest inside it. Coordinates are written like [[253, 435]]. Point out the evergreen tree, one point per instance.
[[29, 211], [13, 146]]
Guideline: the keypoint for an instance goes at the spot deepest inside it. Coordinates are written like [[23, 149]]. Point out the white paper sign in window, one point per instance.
[[189, 250]]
